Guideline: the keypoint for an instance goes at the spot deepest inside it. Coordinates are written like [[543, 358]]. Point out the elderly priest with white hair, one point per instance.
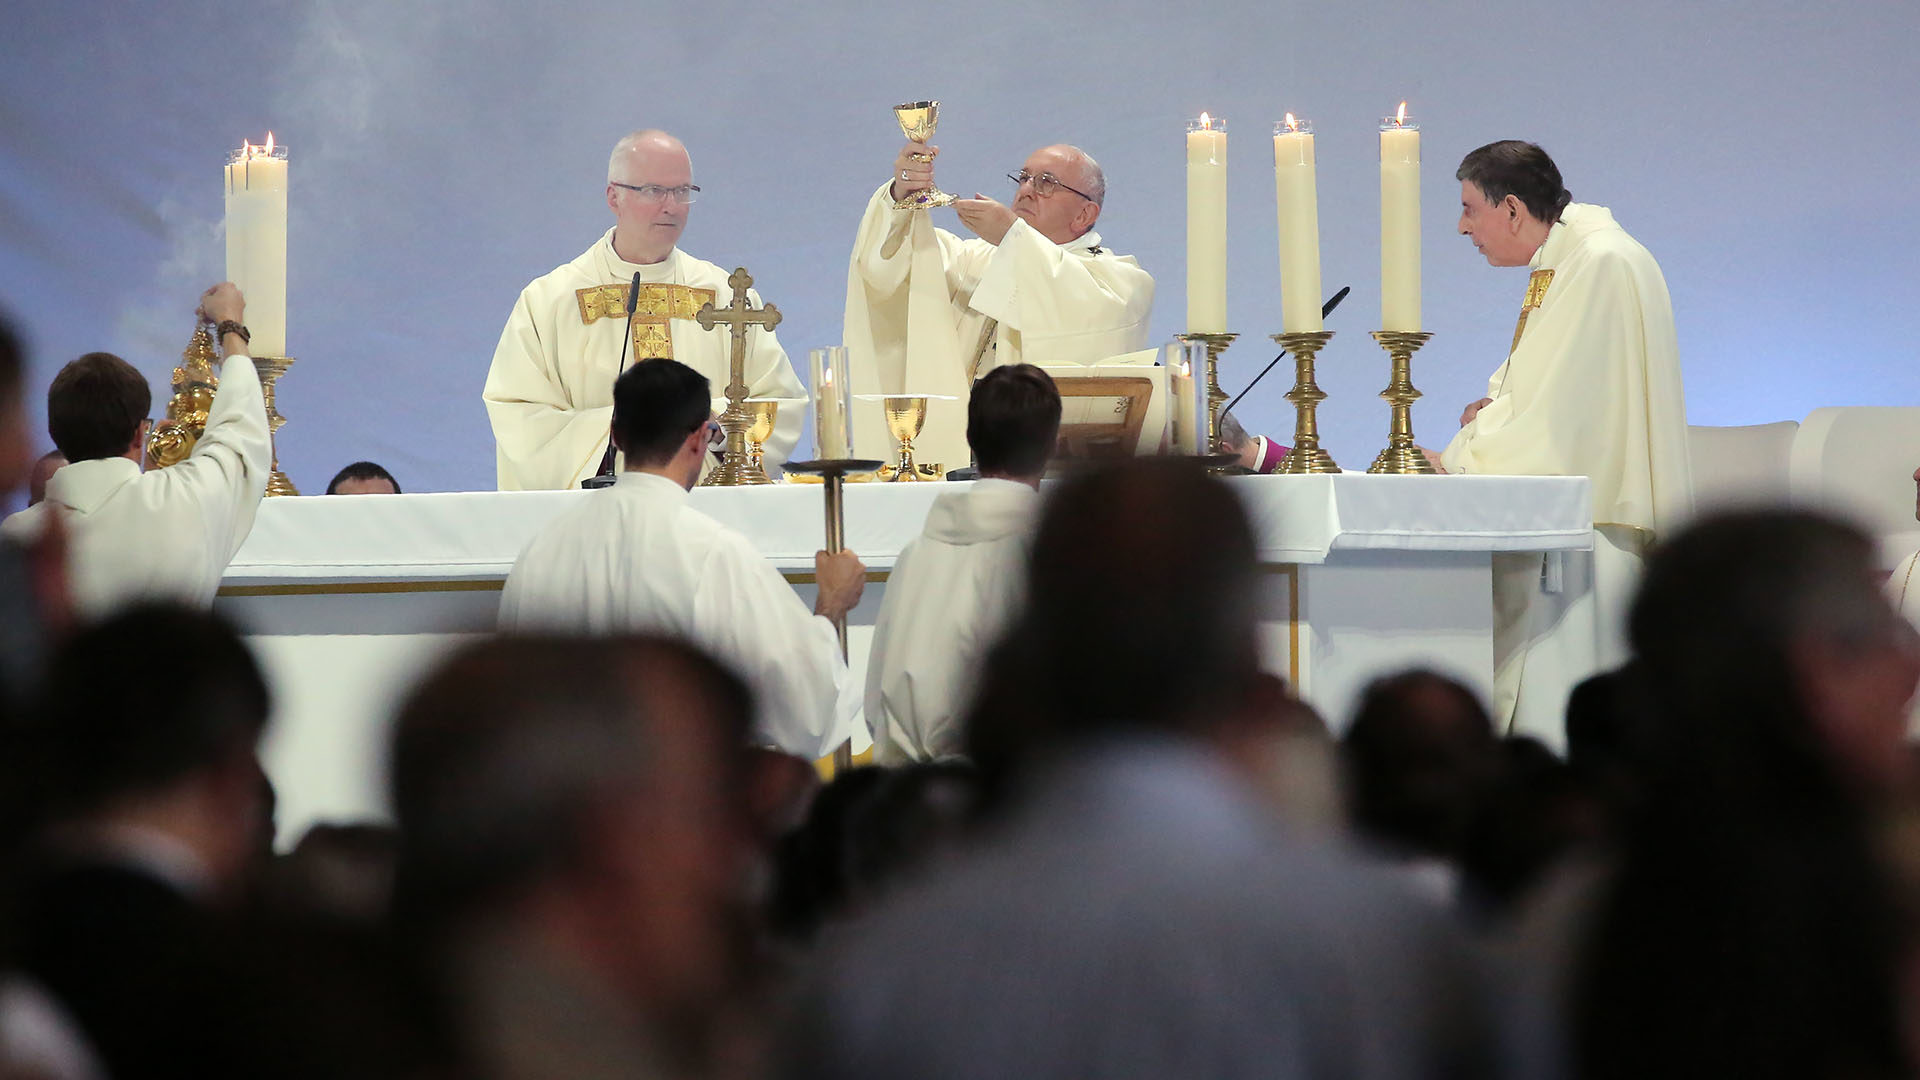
[[638, 557], [549, 393], [1590, 387], [928, 311]]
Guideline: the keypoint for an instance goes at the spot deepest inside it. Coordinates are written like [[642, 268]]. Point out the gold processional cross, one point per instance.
[[739, 316]]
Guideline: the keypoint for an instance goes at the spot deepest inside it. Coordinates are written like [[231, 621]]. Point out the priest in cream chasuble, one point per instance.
[[549, 393], [1591, 388], [929, 312]]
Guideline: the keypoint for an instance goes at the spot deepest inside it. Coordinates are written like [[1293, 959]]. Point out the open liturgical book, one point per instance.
[[1126, 405]]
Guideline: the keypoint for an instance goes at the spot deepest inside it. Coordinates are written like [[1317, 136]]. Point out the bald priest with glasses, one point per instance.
[[549, 393], [929, 311]]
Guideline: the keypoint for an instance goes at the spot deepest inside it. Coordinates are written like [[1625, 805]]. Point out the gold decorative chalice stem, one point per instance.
[[905, 415], [1401, 457], [270, 368], [1307, 456], [917, 120], [762, 414]]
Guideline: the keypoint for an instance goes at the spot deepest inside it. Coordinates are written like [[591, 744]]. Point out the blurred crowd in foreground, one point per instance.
[[1170, 869]]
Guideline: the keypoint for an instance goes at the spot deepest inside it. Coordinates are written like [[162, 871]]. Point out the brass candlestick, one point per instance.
[[1307, 456], [1401, 457], [270, 368], [1215, 397]]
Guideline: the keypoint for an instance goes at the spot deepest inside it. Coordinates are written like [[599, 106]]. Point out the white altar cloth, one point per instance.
[[348, 598], [1299, 519]]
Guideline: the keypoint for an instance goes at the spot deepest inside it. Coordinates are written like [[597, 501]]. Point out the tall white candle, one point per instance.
[[1296, 192], [1207, 225], [257, 241], [1399, 222]]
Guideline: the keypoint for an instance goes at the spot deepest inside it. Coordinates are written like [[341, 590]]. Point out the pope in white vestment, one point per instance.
[[639, 557], [1590, 388], [952, 593], [549, 393], [160, 534], [928, 312]]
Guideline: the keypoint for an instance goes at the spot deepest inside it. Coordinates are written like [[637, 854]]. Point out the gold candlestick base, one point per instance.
[[1307, 456], [1218, 457], [1401, 457], [270, 368]]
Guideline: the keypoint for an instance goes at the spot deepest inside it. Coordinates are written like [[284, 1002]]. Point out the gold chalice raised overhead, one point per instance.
[[918, 119]]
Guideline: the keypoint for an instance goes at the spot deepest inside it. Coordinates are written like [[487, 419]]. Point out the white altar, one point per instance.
[[347, 598]]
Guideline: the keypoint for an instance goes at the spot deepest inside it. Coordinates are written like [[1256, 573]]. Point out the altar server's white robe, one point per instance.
[[919, 300], [162, 534], [638, 557], [549, 393], [1591, 388], [951, 594]]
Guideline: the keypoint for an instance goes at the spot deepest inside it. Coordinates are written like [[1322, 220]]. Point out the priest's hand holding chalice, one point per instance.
[[913, 187]]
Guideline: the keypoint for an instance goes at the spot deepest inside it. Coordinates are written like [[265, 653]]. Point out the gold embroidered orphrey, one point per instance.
[[658, 302], [1536, 295]]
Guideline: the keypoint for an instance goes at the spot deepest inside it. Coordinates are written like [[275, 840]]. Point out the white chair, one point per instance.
[[1740, 465], [1859, 462]]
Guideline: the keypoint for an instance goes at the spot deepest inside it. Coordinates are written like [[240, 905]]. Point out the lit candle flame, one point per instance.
[[1292, 124], [269, 146], [1400, 118], [1206, 122]]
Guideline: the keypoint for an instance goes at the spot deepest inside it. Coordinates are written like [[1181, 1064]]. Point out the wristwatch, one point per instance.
[[228, 326]]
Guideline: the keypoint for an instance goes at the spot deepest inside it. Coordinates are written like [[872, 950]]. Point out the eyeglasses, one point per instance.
[[682, 194], [1044, 184]]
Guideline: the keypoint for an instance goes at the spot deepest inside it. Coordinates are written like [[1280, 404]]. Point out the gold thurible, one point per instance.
[[1307, 456], [1401, 457]]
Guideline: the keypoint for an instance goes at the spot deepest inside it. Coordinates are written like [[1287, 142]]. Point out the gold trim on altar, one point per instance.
[[656, 304], [1536, 295]]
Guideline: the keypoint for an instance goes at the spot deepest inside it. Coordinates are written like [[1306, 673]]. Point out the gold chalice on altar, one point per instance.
[[761, 413], [917, 120], [906, 414]]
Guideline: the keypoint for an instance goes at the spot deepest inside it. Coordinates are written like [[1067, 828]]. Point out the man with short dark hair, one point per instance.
[[168, 533], [363, 478], [574, 851], [955, 586], [639, 557], [1591, 387]]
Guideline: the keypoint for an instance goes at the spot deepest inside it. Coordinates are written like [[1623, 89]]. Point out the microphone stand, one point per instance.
[[1326, 309], [604, 477]]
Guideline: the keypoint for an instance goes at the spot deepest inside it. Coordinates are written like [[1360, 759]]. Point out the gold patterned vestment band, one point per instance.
[[658, 302], [1536, 295]]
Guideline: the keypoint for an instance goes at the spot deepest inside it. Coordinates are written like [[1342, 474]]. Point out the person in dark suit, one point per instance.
[[150, 808]]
